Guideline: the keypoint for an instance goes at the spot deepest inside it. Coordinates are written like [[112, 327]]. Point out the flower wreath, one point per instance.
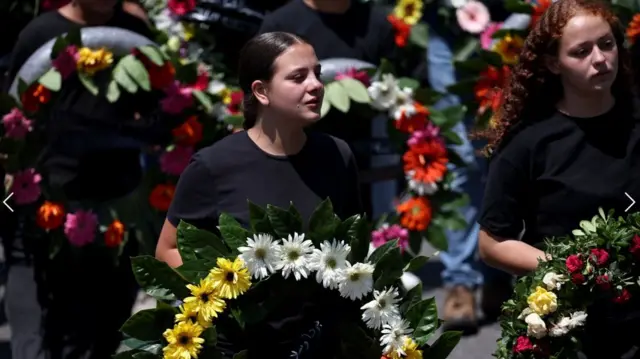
[[219, 273], [547, 313], [147, 68]]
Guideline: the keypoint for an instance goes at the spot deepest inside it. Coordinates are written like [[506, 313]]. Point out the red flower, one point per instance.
[[181, 7], [574, 263], [603, 282], [578, 278], [402, 30], [635, 247], [599, 256], [622, 297], [522, 344]]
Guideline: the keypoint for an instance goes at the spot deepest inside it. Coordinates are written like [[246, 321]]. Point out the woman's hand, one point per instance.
[[510, 255]]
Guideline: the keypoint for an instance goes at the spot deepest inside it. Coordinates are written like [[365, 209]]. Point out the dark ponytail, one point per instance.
[[257, 59]]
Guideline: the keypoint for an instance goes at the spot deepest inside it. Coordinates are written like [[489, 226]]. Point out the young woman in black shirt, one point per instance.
[[275, 161], [564, 143]]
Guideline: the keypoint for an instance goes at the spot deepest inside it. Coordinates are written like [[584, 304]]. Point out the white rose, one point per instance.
[[536, 327], [553, 280]]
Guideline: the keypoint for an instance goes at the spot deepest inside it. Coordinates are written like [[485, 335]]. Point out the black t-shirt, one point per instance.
[[222, 177], [93, 145], [559, 171]]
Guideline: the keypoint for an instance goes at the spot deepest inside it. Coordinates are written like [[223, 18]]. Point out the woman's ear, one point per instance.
[[260, 92], [552, 64]]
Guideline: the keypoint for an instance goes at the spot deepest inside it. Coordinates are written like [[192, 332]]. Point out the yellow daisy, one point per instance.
[[90, 61], [410, 348], [184, 341], [409, 11], [509, 48], [231, 278], [189, 313], [206, 299]]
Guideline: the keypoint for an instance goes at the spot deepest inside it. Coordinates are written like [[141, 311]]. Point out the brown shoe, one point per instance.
[[494, 294], [460, 311]]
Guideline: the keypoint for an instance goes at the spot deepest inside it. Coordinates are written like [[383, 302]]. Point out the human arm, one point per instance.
[[509, 255], [193, 202]]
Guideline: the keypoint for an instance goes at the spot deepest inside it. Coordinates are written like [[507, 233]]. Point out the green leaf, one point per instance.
[[454, 221], [420, 35], [360, 233], [460, 200], [113, 92], [158, 279], [59, 45], [518, 6], [381, 251], [123, 79], [338, 96], [152, 53], [149, 324], [437, 237], [326, 106], [323, 223], [356, 90], [492, 58], [241, 355], [297, 217], [136, 70], [410, 298], [52, 80], [195, 270], [409, 83], [388, 269], [443, 346], [468, 49], [87, 82], [452, 137], [210, 336], [423, 317], [232, 233], [282, 222], [194, 243], [342, 231], [416, 263], [74, 37], [204, 100], [258, 219]]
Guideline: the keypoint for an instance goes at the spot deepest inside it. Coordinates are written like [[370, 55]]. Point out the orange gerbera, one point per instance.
[[415, 213], [34, 97], [538, 9], [402, 30], [633, 30], [114, 234], [50, 216], [161, 196], [189, 133], [426, 161], [412, 117], [488, 89]]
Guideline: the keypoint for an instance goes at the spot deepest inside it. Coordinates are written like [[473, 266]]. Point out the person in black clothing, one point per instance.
[[273, 162], [565, 143], [72, 306]]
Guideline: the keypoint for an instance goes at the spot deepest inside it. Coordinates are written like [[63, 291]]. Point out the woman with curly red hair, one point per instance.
[[564, 143]]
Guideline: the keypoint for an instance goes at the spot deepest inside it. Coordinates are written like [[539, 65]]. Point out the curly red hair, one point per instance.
[[532, 90]]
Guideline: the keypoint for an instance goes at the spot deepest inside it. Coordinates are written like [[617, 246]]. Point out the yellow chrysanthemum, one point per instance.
[[189, 313], [409, 11], [184, 341], [92, 61], [189, 31], [543, 302], [207, 299], [509, 48], [230, 278], [225, 94], [410, 347]]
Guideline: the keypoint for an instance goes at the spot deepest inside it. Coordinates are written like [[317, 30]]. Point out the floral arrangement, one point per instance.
[[225, 278], [22, 133], [548, 311]]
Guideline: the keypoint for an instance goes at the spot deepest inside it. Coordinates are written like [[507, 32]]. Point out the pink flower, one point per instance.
[[430, 132], [178, 99], [66, 62], [16, 125], [486, 38], [473, 17], [80, 227], [388, 233], [25, 187], [361, 76], [173, 162]]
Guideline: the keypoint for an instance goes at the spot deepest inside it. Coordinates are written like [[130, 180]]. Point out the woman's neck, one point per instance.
[[277, 140], [578, 105], [77, 14]]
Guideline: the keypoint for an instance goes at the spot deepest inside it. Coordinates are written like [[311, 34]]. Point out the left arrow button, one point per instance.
[[5, 201]]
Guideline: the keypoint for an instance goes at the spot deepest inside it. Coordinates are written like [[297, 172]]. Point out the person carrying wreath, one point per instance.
[[565, 142]]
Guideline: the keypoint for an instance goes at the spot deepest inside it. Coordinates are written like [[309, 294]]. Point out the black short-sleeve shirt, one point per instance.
[[559, 171], [222, 177]]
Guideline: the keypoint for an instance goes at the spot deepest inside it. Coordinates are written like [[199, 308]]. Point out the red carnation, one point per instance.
[[603, 282], [574, 263], [599, 256], [635, 247], [522, 344], [578, 278], [181, 7], [623, 297]]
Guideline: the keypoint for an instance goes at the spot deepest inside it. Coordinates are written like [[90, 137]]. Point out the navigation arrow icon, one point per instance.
[[6, 199], [632, 202]]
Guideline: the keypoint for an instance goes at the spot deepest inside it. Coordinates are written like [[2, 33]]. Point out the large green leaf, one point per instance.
[[152, 53], [113, 91], [232, 233], [416, 263], [204, 100], [388, 269], [423, 317], [52, 80], [381, 251], [355, 89], [437, 237], [87, 82], [149, 324], [323, 223], [123, 79], [195, 270], [136, 71], [210, 336], [158, 279], [420, 35], [326, 106], [360, 234], [518, 6], [443, 346], [259, 219], [338, 96], [412, 297], [194, 243], [282, 221]]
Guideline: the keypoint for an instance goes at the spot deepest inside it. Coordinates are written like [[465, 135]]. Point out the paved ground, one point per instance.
[[479, 346]]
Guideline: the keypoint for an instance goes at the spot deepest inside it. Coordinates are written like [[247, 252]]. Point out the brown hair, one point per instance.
[[532, 90]]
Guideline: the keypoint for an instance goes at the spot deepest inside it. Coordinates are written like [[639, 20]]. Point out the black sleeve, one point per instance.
[[269, 25], [195, 198], [354, 200], [28, 42], [504, 204]]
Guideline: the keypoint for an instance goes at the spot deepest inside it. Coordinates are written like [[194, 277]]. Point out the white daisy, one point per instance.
[[328, 261], [294, 255], [356, 280], [260, 255], [384, 94], [382, 309], [393, 336]]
